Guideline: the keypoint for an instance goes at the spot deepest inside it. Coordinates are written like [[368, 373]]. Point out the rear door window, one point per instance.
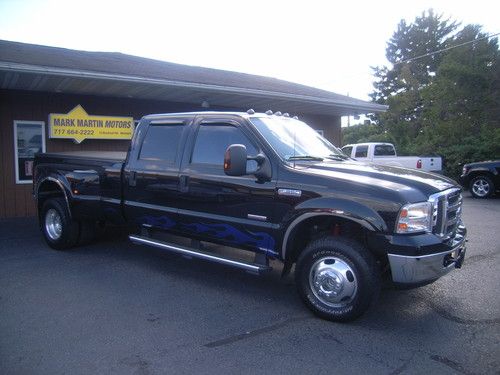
[[384, 150], [361, 152], [161, 143]]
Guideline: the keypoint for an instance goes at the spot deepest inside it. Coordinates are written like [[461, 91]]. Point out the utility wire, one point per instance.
[[446, 49]]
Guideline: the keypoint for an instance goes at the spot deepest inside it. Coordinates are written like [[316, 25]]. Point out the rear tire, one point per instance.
[[481, 187], [59, 230], [337, 278]]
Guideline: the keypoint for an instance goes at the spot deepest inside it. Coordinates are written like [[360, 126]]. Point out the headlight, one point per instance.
[[415, 217]]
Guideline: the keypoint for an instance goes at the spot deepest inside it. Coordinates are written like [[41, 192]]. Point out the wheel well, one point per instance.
[[475, 174], [48, 189], [318, 226]]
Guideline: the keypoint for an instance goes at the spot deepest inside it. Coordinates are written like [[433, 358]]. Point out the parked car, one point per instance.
[[268, 184], [481, 178], [385, 153]]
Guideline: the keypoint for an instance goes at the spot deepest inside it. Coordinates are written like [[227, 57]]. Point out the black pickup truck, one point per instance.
[[268, 184]]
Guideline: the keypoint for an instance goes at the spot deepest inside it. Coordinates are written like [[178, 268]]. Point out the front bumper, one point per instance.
[[420, 259], [407, 269]]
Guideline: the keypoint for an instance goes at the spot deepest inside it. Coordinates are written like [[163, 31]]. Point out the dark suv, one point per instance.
[[482, 178]]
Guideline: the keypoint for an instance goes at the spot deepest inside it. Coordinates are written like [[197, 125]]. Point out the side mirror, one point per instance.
[[235, 160], [235, 163]]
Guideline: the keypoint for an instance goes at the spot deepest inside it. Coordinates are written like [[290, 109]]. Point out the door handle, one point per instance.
[[183, 183], [132, 178]]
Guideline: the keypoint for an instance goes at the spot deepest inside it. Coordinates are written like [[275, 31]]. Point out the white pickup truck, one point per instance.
[[385, 153]]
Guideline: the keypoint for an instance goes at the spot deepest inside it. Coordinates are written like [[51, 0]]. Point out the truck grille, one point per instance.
[[447, 211]]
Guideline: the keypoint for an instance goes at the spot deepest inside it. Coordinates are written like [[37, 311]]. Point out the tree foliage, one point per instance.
[[428, 33], [446, 103], [364, 133]]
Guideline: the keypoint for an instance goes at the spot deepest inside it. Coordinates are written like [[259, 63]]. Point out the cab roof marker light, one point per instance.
[[277, 113], [269, 112], [286, 114]]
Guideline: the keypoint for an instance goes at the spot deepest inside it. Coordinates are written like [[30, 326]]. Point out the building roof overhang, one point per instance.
[[23, 75]]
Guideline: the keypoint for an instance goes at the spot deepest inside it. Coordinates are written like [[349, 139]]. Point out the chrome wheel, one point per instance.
[[481, 187], [53, 224], [333, 281]]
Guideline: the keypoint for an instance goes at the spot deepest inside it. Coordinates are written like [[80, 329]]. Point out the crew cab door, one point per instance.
[[361, 153], [233, 211], [151, 175]]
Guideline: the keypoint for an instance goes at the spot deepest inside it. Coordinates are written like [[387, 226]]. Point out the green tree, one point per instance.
[[461, 116], [443, 91], [427, 34], [364, 133], [413, 68]]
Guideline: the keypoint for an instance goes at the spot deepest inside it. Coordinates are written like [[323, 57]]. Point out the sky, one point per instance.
[[326, 44]]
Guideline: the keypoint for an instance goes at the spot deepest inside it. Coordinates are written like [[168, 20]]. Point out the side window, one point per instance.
[[161, 142], [347, 150], [384, 150], [213, 140], [361, 152]]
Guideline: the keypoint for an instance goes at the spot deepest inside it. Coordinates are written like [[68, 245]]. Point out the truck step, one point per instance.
[[190, 252]]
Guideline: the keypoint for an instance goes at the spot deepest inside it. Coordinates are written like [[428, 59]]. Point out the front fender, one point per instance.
[[349, 210]]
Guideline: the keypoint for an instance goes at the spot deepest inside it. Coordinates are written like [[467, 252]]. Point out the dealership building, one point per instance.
[[46, 91]]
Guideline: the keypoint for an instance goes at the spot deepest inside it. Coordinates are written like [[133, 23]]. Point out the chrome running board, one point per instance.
[[249, 267]]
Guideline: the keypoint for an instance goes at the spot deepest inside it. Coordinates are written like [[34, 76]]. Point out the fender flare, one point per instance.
[[66, 192], [366, 217], [483, 170]]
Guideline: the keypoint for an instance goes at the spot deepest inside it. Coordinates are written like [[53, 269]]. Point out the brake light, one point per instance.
[[419, 164]]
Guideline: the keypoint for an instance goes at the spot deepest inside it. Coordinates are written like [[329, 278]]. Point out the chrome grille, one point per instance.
[[447, 211]]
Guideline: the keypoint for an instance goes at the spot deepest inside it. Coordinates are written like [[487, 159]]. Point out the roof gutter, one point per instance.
[[36, 69]]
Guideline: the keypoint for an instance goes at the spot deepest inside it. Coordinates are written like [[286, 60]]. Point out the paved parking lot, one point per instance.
[[113, 307]]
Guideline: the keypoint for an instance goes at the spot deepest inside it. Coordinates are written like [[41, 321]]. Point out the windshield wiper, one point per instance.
[[305, 157], [337, 157]]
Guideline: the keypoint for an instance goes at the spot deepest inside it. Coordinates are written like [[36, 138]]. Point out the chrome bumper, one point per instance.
[[419, 269]]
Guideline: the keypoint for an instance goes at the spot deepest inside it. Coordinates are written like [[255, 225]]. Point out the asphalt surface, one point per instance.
[[117, 308]]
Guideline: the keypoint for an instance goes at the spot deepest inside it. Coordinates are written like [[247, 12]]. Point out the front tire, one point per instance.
[[337, 278], [59, 230], [481, 187]]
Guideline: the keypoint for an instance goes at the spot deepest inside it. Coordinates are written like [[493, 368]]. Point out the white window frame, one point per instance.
[[16, 155]]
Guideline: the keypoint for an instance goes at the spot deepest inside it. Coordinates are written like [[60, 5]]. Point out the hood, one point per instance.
[[486, 163], [413, 184]]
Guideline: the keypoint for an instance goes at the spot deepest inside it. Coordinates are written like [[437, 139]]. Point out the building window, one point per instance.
[[29, 138]]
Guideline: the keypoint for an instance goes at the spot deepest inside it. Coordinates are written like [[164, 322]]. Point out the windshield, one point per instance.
[[295, 140]]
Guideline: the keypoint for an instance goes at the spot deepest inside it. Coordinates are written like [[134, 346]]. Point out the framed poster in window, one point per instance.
[[29, 138]]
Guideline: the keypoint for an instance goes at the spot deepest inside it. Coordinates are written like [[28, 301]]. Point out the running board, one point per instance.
[[249, 267]]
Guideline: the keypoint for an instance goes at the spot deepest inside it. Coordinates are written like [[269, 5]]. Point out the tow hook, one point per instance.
[[457, 260]]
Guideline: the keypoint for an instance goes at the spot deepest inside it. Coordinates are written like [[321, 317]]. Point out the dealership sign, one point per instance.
[[79, 125]]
